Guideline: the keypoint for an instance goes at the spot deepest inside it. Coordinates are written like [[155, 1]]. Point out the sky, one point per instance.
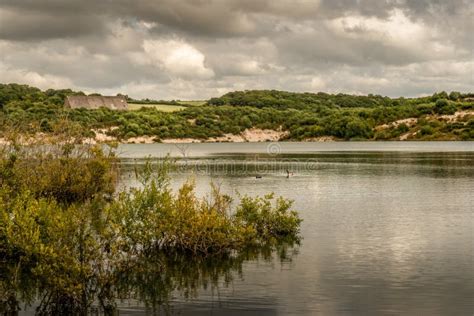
[[196, 49]]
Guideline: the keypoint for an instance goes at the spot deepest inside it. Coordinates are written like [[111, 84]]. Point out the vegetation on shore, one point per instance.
[[302, 116], [157, 106], [70, 242]]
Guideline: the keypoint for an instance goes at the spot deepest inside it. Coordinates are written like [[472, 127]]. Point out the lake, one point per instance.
[[388, 227]]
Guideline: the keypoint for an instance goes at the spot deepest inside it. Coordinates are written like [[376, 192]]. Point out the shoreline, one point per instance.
[[256, 135], [250, 135], [187, 141]]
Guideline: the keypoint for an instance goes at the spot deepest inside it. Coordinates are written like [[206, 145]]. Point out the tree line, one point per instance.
[[301, 115]]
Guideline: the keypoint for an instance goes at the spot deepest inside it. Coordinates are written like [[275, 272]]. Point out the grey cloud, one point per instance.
[[209, 18], [322, 48], [22, 26], [84, 68]]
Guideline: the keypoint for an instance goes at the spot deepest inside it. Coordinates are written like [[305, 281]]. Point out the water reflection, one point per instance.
[[385, 233], [151, 280], [456, 164]]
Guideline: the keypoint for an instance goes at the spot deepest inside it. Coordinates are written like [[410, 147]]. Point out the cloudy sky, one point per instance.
[[195, 49]]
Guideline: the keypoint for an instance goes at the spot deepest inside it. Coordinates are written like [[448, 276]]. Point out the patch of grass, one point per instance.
[[193, 103], [159, 107]]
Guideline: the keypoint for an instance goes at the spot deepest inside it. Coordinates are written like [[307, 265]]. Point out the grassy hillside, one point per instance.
[[301, 116], [157, 106], [193, 103]]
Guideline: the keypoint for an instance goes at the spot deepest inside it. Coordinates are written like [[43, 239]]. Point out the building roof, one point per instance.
[[96, 102]]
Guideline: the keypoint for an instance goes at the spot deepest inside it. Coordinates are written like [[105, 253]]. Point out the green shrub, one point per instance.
[[382, 135], [402, 128], [45, 126], [64, 233], [426, 130], [57, 175], [443, 106], [268, 220]]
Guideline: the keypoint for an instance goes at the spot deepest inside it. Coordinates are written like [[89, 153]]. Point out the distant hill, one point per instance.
[[293, 100], [243, 115]]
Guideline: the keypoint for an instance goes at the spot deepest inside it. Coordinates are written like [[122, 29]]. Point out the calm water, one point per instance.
[[388, 227]]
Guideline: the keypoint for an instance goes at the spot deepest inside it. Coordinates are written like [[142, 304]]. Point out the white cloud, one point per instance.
[[24, 76], [397, 28], [318, 84], [176, 89], [177, 57], [250, 67]]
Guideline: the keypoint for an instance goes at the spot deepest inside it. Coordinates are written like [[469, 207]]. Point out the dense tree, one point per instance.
[[454, 96], [443, 106], [308, 101]]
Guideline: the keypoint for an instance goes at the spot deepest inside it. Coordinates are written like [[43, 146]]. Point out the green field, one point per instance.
[[193, 103], [160, 107]]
